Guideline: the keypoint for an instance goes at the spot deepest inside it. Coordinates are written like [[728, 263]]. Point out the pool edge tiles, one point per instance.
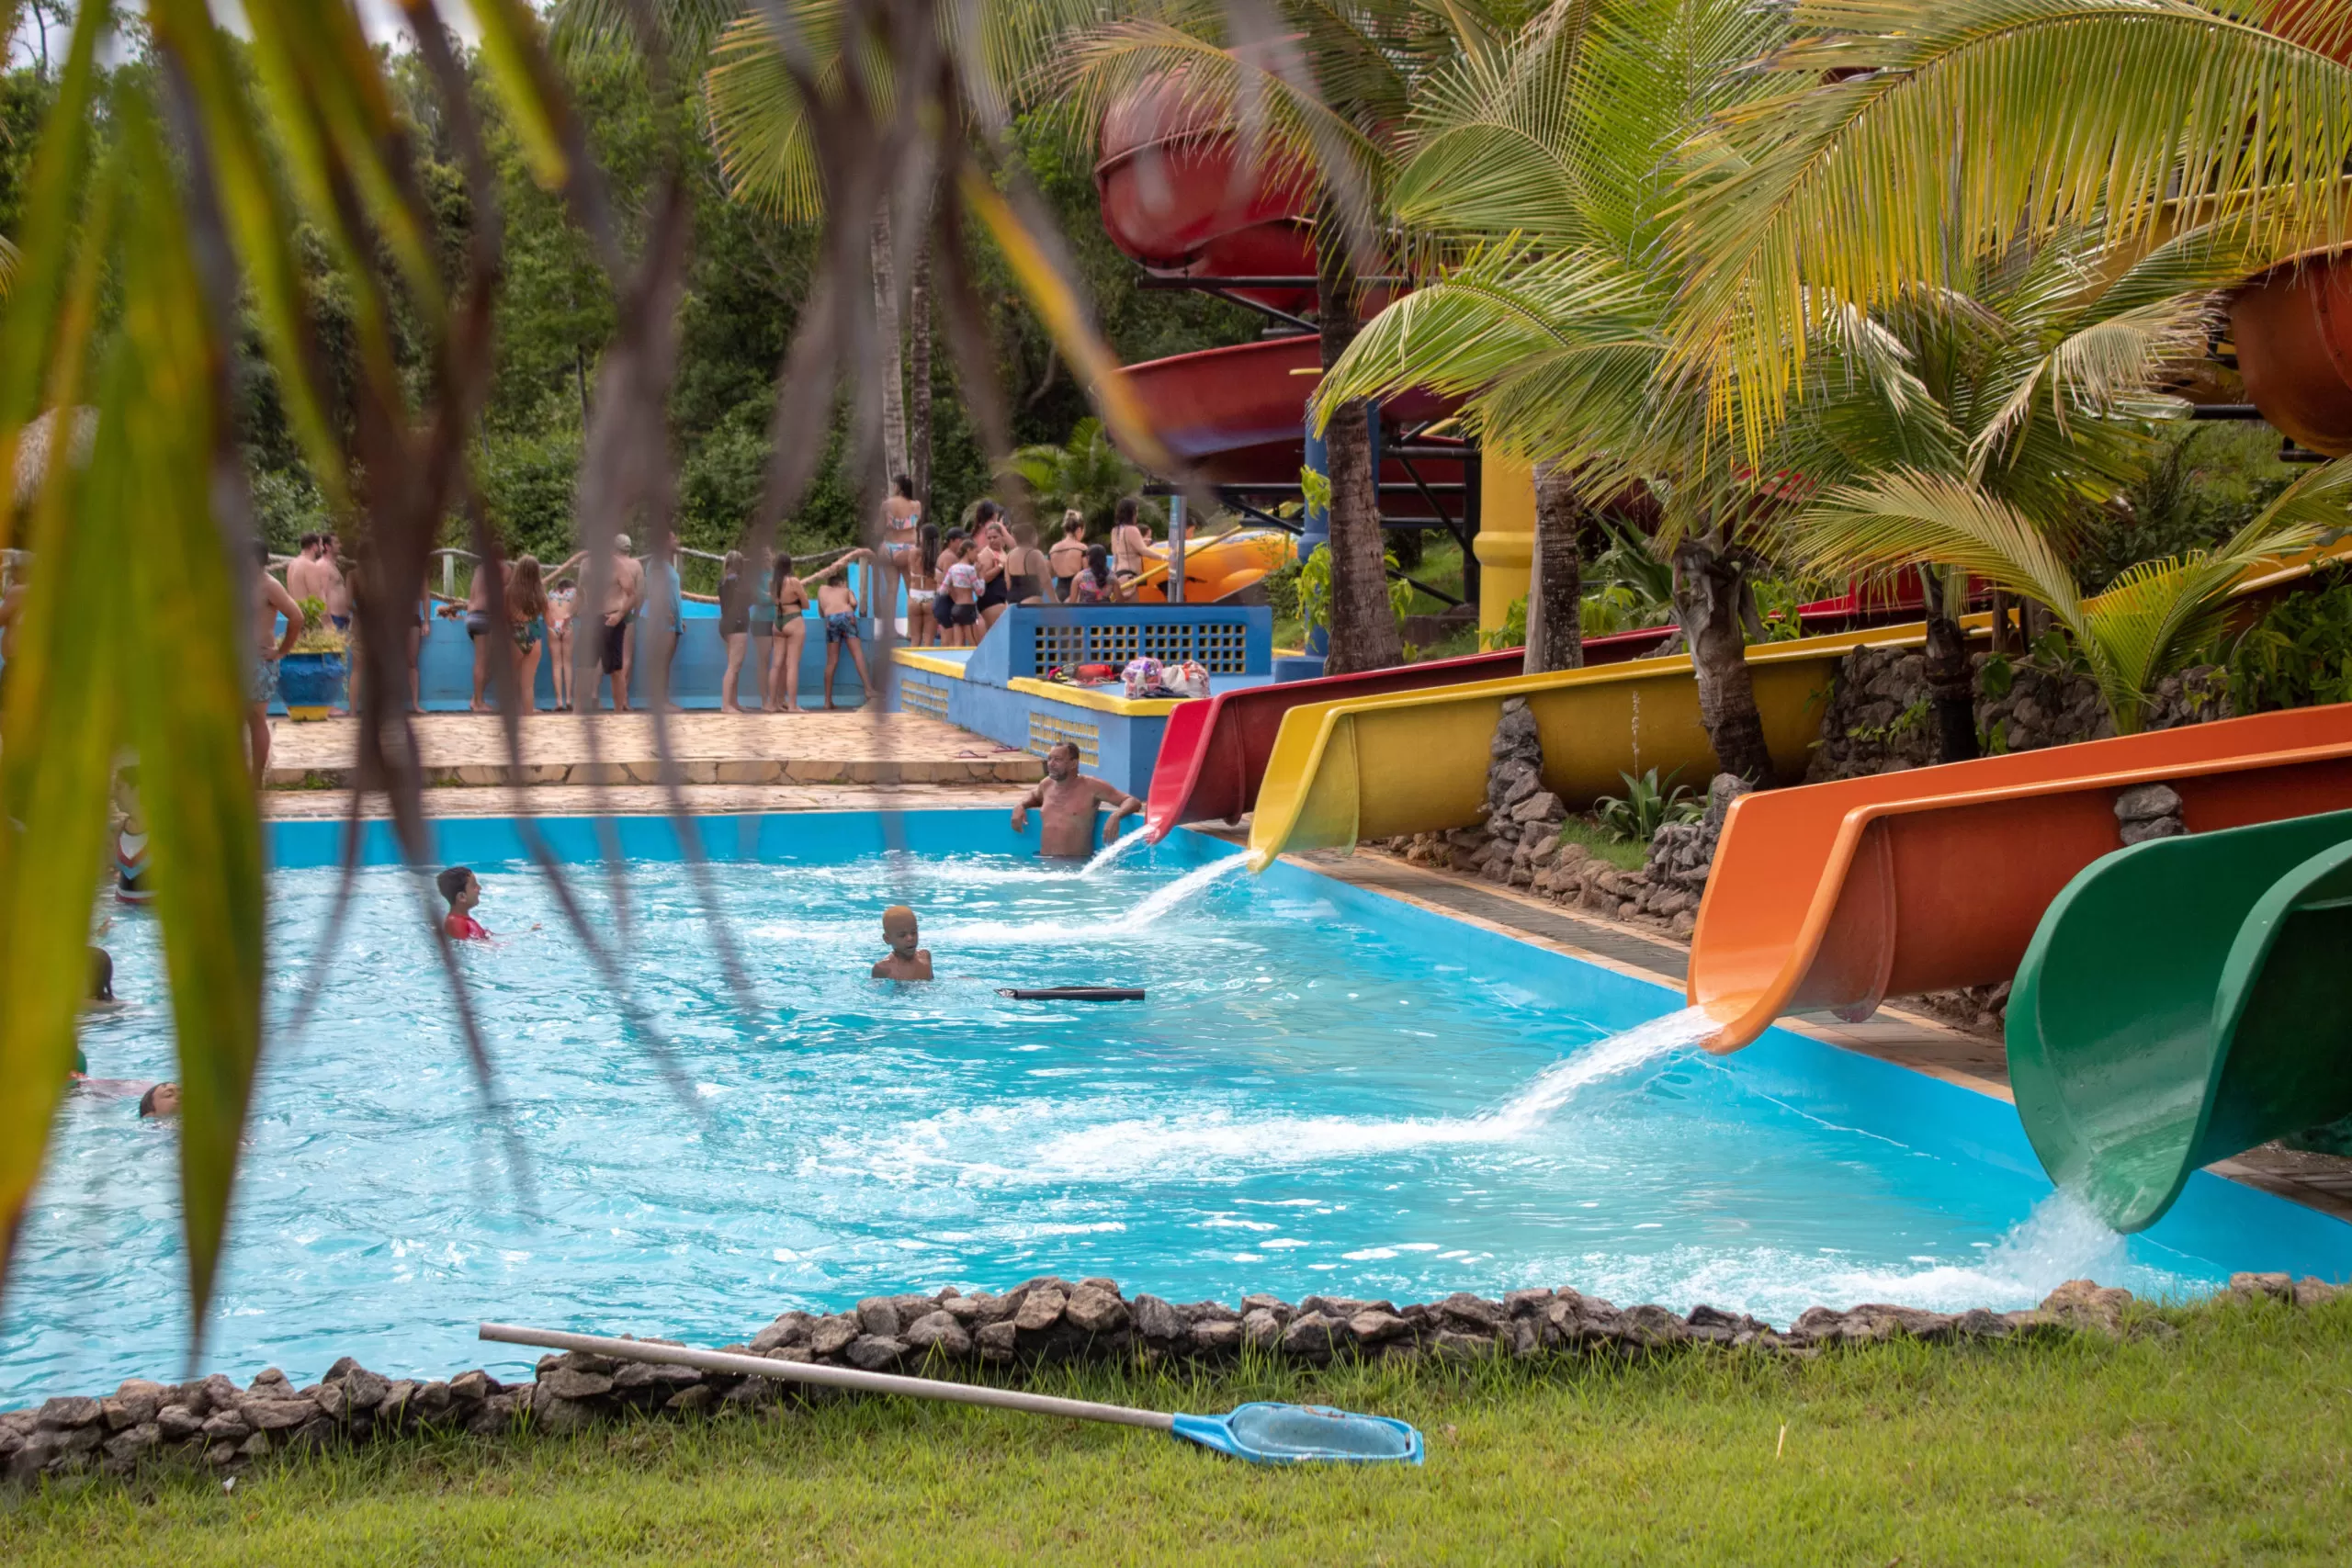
[[2216, 1218]]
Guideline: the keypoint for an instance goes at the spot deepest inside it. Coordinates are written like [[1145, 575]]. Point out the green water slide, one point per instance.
[[2183, 1001]]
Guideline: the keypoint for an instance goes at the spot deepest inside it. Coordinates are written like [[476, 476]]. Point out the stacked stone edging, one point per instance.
[[1045, 1321]]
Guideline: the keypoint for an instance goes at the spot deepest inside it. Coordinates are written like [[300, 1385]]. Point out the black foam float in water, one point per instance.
[[1073, 994]]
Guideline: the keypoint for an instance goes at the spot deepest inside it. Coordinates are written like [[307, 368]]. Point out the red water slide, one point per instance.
[[1213, 753]]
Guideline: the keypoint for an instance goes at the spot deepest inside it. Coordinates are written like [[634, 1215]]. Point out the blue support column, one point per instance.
[[1315, 534]]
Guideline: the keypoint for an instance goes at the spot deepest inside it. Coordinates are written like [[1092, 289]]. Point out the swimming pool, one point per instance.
[[1327, 1090]]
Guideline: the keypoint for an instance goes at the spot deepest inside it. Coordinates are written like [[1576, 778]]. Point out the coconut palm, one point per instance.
[[1543, 178], [1324, 91], [2020, 118]]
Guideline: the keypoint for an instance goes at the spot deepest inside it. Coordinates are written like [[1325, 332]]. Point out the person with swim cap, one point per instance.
[[1067, 800], [906, 960]]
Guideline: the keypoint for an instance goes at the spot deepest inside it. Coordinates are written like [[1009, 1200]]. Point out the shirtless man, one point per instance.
[[1067, 800], [270, 601], [302, 572], [317, 573], [622, 599]]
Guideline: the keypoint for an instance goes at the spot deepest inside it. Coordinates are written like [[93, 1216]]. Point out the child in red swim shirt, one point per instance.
[[463, 889]]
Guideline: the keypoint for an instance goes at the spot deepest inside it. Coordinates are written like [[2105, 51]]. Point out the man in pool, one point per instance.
[[1066, 799], [463, 889], [906, 960]]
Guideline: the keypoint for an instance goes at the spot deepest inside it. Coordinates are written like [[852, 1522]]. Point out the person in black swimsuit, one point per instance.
[[1027, 573]]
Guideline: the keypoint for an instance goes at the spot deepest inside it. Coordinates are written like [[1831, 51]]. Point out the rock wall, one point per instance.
[[1877, 721], [1044, 1322]]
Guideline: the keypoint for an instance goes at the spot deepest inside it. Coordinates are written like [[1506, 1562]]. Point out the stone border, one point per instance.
[[1016, 768], [1046, 1321]]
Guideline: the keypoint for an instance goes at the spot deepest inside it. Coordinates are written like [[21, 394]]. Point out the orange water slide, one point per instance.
[[1839, 896]]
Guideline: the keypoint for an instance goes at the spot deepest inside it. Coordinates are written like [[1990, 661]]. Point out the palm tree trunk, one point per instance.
[[1364, 633], [1555, 591], [919, 374], [893, 367], [1709, 584], [1951, 694]]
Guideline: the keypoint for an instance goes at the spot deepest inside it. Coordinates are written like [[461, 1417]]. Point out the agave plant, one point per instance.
[[1646, 806]]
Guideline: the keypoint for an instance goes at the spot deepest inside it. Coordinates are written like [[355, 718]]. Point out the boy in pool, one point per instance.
[[1067, 800], [160, 1100], [463, 889], [906, 960]]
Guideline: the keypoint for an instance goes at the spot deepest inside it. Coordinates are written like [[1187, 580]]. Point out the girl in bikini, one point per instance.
[[526, 607], [784, 649], [563, 602], [922, 582]]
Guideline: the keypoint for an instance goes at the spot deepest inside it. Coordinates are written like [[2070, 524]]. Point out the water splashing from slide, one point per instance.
[[1121, 1148], [1110, 852]]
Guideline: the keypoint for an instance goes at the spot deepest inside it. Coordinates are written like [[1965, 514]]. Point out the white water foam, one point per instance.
[[1137, 920], [1120, 1149], [1110, 852]]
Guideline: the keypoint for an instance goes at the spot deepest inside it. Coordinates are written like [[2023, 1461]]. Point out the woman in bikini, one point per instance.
[[996, 572], [563, 602], [784, 648], [526, 608], [1069, 554], [922, 582]]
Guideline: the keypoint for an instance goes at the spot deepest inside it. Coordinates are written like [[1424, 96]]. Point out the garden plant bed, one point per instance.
[[2209, 1434]]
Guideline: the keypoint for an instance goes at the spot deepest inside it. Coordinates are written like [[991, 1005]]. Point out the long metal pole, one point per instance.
[[829, 1377], [1176, 549]]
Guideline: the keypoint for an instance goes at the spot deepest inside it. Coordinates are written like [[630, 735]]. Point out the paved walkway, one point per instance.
[[1893, 1034], [649, 800], [710, 749]]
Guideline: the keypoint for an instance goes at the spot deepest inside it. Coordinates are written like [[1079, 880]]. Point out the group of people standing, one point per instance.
[[960, 582]]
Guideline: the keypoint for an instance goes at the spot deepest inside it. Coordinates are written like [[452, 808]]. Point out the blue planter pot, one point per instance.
[[311, 684]]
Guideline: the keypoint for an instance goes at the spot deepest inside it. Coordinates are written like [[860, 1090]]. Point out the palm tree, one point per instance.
[[1325, 91], [1544, 178], [2030, 377], [1086, 473], [1898, 133]]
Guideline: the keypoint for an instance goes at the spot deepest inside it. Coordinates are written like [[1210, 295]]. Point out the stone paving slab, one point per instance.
[[709, 749], [647, 800], [1893, 1034]]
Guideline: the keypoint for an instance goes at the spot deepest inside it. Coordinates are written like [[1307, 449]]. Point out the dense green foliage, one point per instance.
[[2299, 653], [749, 275], [2218, 1435]]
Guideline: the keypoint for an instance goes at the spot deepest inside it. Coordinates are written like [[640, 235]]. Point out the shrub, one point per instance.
[[2299, 653]]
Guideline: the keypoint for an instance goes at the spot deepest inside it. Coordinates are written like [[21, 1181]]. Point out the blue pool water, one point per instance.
[[1326, 1091]]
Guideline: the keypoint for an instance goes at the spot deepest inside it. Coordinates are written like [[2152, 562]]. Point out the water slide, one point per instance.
[[2182, 1001], [1215, 753], [1840, 895], [1416, 761]]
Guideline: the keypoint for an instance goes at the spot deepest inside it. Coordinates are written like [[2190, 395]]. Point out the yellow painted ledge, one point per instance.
[[1099, 700], [931, 663]]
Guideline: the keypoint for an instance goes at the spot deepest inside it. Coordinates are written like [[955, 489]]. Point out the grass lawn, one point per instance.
[[2225, 1442], [1623, 853]]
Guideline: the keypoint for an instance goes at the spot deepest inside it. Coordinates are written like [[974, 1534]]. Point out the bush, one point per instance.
[[527, 482], [2298, 654]]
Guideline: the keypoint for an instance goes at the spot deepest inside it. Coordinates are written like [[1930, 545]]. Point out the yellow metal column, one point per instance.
[[1506, 541]]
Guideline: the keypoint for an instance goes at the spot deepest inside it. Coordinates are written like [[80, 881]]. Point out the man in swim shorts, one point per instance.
[[622, 597], [906, 960], [1067, 800]]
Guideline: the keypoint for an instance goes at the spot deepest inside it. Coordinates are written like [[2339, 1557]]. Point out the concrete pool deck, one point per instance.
[[746, 750]]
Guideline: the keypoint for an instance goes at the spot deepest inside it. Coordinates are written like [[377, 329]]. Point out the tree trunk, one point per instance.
[[1364, 633], [892, 367], [1952, 685], [919, 374], [1707, 594], [1556, 587]]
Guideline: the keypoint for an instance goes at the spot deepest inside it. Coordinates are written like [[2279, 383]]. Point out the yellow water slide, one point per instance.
[[1415, 763]]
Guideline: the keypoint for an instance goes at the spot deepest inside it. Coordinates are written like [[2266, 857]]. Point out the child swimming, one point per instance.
[[463, 889], [906, 960]]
